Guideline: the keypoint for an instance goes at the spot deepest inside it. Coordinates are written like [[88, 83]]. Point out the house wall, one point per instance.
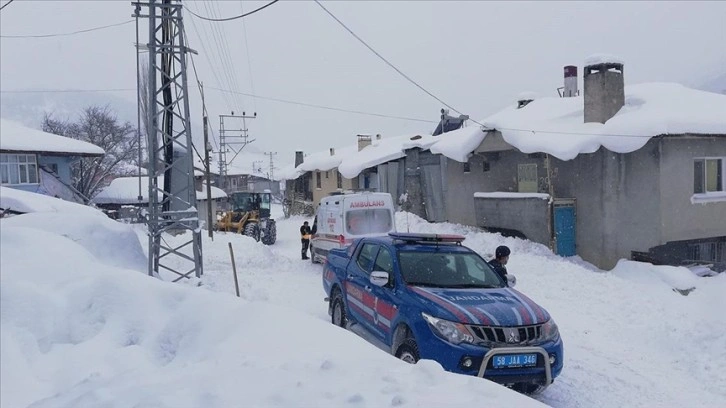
[[62, 162], [682, 220], [328, 184], [618, 201], [501, 176]]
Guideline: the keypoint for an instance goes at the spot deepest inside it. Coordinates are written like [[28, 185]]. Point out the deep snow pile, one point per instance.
[[80, 329]]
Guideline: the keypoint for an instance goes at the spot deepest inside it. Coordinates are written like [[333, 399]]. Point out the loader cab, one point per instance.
[[246, 201]]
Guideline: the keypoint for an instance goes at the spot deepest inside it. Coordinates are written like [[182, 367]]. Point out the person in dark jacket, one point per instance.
[[501, 257], [305, 233]]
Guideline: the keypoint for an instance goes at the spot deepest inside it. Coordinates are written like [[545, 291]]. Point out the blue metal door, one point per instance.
[[565, 230]]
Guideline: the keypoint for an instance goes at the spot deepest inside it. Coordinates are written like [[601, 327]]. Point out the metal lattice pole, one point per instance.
[[172, 194], [234, 140]]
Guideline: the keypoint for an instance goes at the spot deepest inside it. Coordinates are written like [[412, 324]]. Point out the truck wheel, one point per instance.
[[338, 317], [252, 230], [270, 233], [408, 351], [312, 255]]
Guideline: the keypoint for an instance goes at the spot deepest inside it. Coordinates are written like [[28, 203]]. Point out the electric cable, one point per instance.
[[66, 34], [389, 63], [235, 17]]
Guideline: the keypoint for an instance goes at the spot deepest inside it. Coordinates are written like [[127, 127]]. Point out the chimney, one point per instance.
[[525, 98], [604, 88], [570, 82], [363, 141], [378, 136], [298, 158], [332, 151]]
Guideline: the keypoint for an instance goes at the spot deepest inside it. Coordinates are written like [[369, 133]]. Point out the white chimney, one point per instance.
[[332, 151], [570, 82], [378, 136]]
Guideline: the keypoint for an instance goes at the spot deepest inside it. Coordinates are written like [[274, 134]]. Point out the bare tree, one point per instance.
[[101, 127]]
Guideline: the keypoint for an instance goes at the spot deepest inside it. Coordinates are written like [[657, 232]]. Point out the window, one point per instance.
[[318, 182], [485, 166], [366, 256], [467, 167], [708, 175], [708, 252], [339, 181], [384, 262], [527, 178], [327, 174], [18, 169], [362, 222]]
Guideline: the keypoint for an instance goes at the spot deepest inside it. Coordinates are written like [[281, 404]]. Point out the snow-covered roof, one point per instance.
[[597, 59], [15, 137], [350, 162], [26, 202], [550, 125], [556, 125], [125, 190]]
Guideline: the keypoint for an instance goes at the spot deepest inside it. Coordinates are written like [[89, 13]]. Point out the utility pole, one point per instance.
[[231, 139], [207, 148], [272, 167], [172, 194]]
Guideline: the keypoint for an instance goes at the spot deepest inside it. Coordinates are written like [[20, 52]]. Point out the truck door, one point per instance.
[[384, 307], [359, 290]]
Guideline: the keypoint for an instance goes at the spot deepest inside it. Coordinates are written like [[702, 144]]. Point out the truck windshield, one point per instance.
[[447, 270], [368, 221]]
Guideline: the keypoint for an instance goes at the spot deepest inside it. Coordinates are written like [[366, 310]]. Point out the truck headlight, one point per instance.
[[452, 332], [550, 332]]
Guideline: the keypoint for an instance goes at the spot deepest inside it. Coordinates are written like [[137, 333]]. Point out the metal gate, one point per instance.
[[564, 219]]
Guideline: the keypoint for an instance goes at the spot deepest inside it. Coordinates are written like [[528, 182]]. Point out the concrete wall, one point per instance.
[[530, 216], [682, 220]]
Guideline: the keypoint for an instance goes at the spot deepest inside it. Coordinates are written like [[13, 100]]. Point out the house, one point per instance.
[[615, 172], [40, 162], [371, 165], [618, 172], [247, 171], [120, 199]]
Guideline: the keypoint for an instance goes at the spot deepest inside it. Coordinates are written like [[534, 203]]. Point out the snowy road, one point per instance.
[[630, 340]]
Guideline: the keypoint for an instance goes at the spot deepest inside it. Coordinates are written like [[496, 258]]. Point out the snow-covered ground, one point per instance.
[[83, 326]]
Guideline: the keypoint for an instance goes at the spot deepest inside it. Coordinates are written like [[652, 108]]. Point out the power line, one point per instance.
[[324, 107], [68, 90], [311, 105], [235, 17], [388, 62], [6, 4], [66, 34]]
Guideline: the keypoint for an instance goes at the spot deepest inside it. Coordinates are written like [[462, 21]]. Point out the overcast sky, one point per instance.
[[476, 56]]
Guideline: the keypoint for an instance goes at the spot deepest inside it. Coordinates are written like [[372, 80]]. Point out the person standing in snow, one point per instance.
[[501, 257], [305, 233]]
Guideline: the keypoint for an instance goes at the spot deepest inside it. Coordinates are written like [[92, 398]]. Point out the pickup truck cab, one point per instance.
[[427, 296]]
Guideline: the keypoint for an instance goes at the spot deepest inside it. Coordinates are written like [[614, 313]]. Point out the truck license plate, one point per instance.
[[514, 360]]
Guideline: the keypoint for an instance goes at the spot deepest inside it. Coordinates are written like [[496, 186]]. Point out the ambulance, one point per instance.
[[343, 217]]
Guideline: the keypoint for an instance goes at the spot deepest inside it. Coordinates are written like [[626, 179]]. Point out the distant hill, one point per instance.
[[716, 84]]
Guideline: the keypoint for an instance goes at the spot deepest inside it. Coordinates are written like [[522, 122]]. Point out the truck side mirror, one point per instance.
[[379, 278]]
